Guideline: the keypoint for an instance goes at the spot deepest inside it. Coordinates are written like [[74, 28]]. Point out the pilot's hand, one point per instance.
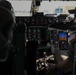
[[51, 70]]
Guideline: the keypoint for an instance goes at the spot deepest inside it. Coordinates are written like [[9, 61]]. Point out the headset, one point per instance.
[[7, 23]]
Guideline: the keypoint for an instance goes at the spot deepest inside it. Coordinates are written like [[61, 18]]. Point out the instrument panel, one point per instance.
[[37, 30], [37, 21], [49, 40]]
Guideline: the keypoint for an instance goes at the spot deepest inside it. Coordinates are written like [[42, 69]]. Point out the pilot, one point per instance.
[[6, 28], [65, 64]]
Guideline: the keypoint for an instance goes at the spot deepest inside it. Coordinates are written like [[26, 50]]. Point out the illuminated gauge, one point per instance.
[[55, 36], [34, 30], [29, 30], [38, 30]]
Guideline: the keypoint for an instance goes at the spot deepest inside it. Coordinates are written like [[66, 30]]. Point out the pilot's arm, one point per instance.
[[68, 63], [64, 65]]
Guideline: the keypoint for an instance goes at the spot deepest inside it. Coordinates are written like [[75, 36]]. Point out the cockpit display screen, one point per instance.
[[62, 36]]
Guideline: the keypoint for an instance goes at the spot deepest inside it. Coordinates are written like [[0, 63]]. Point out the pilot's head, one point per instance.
[[6, 25]]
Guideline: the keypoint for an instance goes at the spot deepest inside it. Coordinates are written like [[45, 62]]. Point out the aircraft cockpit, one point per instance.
[[47, 37], [42, 36]]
